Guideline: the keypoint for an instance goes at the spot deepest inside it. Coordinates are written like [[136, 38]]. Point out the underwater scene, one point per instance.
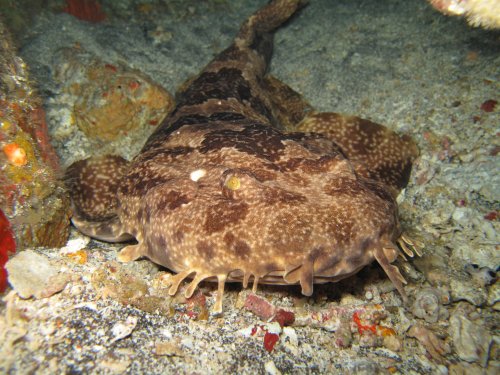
[[249, 187]]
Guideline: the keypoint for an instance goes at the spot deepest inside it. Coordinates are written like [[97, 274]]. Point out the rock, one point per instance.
[[123, 329], [108, 99], [494, 296], [463, 215], [464, 368], [428, 305], [122, 284], [482, 254], [32, 275], [112, 364], [436, 347], [482, 276], [366, 367], [343, 334], [271, 368], [434, 266], [462, 290], [472, 341], [52, 227], [393, 343], [259, 306], [168, 348], [30, 194]]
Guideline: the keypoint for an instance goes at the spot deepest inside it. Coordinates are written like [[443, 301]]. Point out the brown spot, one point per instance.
[[341, 228], [262, 174], [291, 164], [140, 214], [178, 235], [342, 186], [162, 243], [270, 267], [313, 166], [147, 213], [150, 244], [166, 128], [274, 196], [139, 182], [179, 150], [224, 214], [323, 259], [206, 250], [323, 164], [226, 83], [489, 105], [256, 139], [230, 53], [229, 239], [173, 199], [242, 249]]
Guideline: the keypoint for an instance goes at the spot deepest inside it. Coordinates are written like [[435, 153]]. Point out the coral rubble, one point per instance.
[[31, 198]]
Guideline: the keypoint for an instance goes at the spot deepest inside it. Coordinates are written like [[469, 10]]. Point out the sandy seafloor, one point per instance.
[[398, 63]]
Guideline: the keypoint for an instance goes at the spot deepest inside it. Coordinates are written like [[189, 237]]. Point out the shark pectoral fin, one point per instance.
[[109, 230], [93, 184], [130, 253], [375, 151]]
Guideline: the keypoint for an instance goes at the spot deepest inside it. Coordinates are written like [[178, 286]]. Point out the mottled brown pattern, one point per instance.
[[265, 173], [172, 200], [136, 185], [259, 140], [205, 250], [179, 236], [242, 249], [274, 196], [232, 187], [226, 83], [322, 164], [385, 155], [218, 217], [93, 184], [162, 243]]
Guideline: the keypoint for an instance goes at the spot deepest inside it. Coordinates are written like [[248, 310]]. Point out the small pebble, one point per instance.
[[471, 340], [271, 368], [123, 329], [31, 274], [168, 348], [366, 367]]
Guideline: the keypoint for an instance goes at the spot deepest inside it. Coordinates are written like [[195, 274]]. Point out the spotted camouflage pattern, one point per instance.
[[244, 181]]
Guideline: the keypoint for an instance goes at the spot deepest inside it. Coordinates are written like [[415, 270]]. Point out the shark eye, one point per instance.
[[233, 183]]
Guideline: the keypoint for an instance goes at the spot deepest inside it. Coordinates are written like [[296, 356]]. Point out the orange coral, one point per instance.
[[79, 256], [16, 155]]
